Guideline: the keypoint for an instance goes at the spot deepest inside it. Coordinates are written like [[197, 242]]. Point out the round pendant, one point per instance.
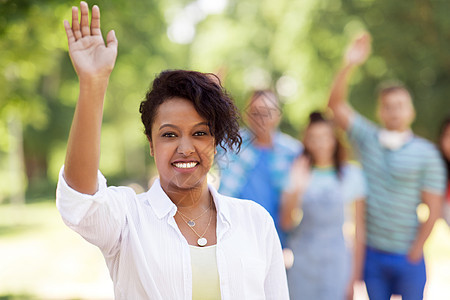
[[191, 223], [202, 242]]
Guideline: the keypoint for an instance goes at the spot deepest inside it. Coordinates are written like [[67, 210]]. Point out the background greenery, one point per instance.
[[294, 47]]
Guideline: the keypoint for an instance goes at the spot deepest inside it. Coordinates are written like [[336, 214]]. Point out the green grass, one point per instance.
[[41, 258], [17, 297]]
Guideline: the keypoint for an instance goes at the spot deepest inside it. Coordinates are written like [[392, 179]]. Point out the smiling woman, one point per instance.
[[181, 239]]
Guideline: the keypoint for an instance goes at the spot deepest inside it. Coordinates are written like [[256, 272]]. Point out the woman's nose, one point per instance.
[[185, 147]]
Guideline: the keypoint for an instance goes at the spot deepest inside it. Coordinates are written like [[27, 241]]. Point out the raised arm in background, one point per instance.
[[93, 62], [357, 54]]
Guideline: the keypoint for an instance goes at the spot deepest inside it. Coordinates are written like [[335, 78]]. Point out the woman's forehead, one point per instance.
[[319, 128], [180, 111]]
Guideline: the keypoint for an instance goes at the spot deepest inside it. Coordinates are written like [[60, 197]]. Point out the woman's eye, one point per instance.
[[200, 133], [169, 134]]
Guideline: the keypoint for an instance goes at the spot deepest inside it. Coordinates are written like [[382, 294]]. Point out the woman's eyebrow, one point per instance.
[[168, 125], [204, 123], [201, 124]]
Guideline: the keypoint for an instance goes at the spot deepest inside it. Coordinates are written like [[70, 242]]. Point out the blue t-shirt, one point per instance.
[[259, 188], [256, 173]]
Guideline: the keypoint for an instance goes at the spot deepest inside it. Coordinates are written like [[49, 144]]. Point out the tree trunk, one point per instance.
[[16, 160]]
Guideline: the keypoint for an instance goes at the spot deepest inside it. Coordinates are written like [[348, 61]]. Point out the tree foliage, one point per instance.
[[294, 47]]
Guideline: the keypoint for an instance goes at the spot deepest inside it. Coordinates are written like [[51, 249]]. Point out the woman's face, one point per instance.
[[320, 142], [182, 145], [445, 142]]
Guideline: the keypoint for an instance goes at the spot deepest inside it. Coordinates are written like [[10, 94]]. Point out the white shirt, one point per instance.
[[149, 258]]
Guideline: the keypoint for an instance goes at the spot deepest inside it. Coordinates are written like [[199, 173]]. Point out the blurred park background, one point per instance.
[[292, 46]]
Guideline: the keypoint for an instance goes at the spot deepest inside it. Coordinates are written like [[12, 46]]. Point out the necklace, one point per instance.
[[201, 240], [191, 222]]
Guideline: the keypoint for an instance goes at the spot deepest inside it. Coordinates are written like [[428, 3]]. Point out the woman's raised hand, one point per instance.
[[90, 56], [300, 174]]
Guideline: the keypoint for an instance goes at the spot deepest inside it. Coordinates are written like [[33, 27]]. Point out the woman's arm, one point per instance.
[[290, 209], [359, 247], [291, 197], [93, 62]]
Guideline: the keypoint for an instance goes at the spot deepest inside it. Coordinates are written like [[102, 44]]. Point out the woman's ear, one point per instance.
[[151, 150], [151, 145]]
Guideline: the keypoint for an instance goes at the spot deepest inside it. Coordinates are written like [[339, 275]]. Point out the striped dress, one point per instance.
[[395, 181]]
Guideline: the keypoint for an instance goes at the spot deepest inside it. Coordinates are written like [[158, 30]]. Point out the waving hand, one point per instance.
[[90, 56], [359, 50]]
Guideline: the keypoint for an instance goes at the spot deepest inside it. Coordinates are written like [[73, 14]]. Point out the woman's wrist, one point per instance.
[[93, 88], [295, 189], [94, 79]]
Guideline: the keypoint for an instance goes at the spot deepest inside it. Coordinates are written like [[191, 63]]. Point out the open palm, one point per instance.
[[90, 56], [300, 173], [359, 51]]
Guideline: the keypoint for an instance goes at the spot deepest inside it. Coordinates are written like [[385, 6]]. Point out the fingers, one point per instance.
[[366, 36], [304, 161], [85, 30], [81, 28], [69, 32], [111, 40], [363, 40], [359, 49], [300, 167], [95, 21], [75, 23]]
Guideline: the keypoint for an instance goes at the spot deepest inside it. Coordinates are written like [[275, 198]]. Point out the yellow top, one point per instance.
[[205, 276]]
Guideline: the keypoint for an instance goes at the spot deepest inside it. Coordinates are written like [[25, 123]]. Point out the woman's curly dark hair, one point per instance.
[[207, 95]]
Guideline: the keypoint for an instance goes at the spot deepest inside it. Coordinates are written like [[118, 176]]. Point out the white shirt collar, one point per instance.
[[162, 205], [394, 140]]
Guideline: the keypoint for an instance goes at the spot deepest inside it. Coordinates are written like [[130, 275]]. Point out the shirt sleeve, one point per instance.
[[434, 174], [361, 129], [355, 183], [275, 284], [98, 218]]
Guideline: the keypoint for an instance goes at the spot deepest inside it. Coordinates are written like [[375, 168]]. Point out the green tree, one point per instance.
[[294, 47]]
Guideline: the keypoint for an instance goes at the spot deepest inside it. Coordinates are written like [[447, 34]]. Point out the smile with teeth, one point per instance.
[[187, 165]]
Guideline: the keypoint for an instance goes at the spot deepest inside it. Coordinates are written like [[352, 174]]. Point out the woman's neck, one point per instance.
[[324, 163], [196, 198]]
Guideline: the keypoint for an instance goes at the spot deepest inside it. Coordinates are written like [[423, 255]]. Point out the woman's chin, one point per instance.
[[186, 183]]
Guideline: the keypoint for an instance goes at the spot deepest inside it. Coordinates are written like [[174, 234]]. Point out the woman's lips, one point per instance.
[[185, 165]]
